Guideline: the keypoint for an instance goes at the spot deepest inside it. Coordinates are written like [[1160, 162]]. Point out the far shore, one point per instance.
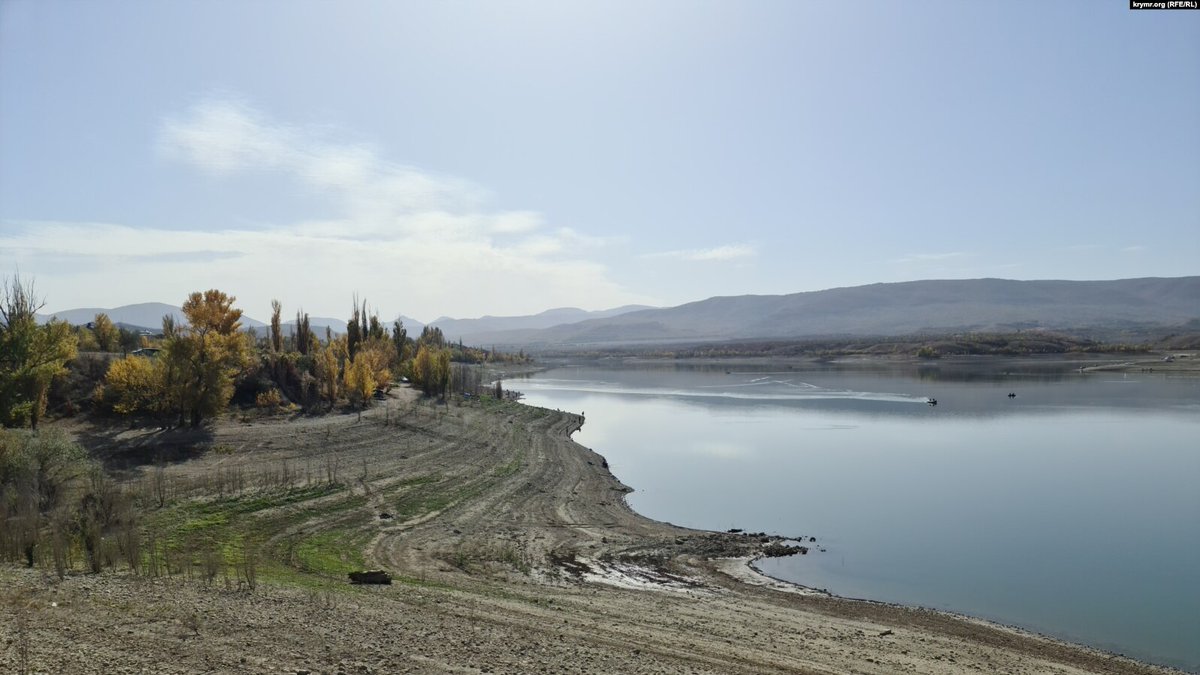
[[1184, 361]]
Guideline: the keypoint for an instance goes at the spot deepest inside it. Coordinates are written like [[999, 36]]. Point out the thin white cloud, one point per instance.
[[317, 267], [412, 241], [929, 257], [719, 253], [1136, 248], [225, 137]]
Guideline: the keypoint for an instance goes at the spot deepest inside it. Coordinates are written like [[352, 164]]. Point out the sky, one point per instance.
[[469, 158]]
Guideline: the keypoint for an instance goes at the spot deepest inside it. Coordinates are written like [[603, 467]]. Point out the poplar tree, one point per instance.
[[276, 327], [354, 332], [327, 373], [304, 334], [400, 341], [359, 382]]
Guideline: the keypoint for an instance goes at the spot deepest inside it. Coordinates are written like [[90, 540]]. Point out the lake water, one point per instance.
[[1072, 509]]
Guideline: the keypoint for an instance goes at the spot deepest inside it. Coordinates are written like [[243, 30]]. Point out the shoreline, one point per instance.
[[784, 585], [495, 519], [744, 570]]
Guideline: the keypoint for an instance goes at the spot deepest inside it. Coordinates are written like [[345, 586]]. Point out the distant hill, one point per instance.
[[941, 306], [411, 325], [142, 315], [895, 309], [470, 330], [317, 325]]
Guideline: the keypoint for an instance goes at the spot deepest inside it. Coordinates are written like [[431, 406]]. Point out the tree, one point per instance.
[[130, 340], [360, 383], [31, 356], [208, 353], [377, 354], [376, 331], [431, 370], [85, 340], [354, 332], [400, 342], [432, 335], [133, 385], [37, 473], [327, 372], [107, 335], [441, 370], [304, 335], [276, 329]]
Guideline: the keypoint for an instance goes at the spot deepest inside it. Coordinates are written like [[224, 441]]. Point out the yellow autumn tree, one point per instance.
[[207, 354], [359, 382], [132, 385], [430, 369], [327, 372], [377, 353]]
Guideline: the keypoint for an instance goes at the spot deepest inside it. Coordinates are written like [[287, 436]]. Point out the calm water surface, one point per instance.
[[1072, 509]]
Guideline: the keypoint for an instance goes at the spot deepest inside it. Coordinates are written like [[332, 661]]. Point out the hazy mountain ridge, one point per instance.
[[891, 309], [469, 329], [884, 309], [142, 315]]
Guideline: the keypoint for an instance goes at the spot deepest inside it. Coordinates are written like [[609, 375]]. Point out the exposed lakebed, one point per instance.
[[1071, 508]]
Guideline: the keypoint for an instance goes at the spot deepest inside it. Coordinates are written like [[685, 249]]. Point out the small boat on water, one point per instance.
[[932, 401]]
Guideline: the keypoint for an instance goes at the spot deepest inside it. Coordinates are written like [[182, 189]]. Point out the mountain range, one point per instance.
[[915, 307], [147, 315], [469, 329], [885, 309]]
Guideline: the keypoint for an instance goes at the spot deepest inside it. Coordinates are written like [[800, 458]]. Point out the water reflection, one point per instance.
[[960, 389], [1071, 508]]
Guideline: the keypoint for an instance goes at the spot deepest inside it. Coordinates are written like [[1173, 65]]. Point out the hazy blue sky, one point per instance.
[[463, 158]]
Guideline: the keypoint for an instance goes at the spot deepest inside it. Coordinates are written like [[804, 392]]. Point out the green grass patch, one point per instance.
[[420, 503], [201, 523], [334, 552], [513, 466], [261, 501]]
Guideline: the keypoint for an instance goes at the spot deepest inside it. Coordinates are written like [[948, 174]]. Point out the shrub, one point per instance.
[[268, 399]]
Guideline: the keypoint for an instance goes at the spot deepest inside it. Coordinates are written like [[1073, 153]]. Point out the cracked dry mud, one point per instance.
[[514, 552]]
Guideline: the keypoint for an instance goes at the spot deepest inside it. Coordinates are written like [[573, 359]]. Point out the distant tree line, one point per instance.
[[1023, 343]]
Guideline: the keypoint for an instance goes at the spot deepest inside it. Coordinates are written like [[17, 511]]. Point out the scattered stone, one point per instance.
[[783, 550], [370, 577]]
